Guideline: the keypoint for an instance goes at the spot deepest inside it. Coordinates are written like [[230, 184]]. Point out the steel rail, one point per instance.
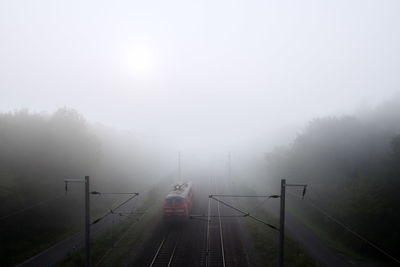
[[172, 255], [158, 251], [156, 260]]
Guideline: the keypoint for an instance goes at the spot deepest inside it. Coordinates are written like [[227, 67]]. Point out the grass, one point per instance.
[[25, 234], [329, 238], [266, 241], [38, 218], [113, 248]]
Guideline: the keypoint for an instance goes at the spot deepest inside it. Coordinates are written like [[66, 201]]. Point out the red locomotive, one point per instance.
[[178, 202]]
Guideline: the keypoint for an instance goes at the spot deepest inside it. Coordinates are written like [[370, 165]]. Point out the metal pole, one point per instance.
[[87, 221], [282, 224], [179, 166], [230, 167]]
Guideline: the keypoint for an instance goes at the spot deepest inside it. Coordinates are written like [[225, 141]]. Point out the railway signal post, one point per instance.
[[282, 218], [282, 224], [87, 221], [87, 214], [246, 214]]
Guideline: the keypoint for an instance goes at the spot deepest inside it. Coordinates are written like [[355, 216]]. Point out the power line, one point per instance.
[[248, 196], [119, 240], [28, 208], [112, 211], [111, 193], [253, 208], [348, 229], [244, 214]]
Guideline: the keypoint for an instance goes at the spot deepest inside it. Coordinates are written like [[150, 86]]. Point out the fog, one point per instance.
[[141, 94], [206, 77]]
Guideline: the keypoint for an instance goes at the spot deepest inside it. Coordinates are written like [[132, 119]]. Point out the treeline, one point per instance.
[[37, 152], [352, 167]]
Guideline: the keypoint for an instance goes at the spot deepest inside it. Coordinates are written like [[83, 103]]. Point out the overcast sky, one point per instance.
[[202, 74]]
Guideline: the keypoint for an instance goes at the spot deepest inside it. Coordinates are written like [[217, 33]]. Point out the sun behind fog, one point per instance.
[[139, 59]]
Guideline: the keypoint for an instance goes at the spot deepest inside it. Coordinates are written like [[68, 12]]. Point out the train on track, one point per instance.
[[178, 202]]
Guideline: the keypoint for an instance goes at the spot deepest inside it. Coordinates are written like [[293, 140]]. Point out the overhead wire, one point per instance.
[[244, 214], [114, 245], [117, 242], [29, 207], [112, 210], [97, 220], [347, 228]]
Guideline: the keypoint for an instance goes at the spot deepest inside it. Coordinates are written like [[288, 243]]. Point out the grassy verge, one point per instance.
[[321, 230], [34, 246], [26, 234], [29, 233], [114, 247], [266, 241]]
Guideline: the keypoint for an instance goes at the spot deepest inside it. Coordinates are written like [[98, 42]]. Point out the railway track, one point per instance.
[[215, 236], [210, 241], [166, 251], [215, 251], [224, 245]]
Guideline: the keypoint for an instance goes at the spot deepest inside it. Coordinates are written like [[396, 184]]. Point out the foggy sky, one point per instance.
[[215, 74]]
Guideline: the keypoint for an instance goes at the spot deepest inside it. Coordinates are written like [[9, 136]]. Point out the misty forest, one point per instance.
[[200, 133], [350, 162], [39, 151]]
